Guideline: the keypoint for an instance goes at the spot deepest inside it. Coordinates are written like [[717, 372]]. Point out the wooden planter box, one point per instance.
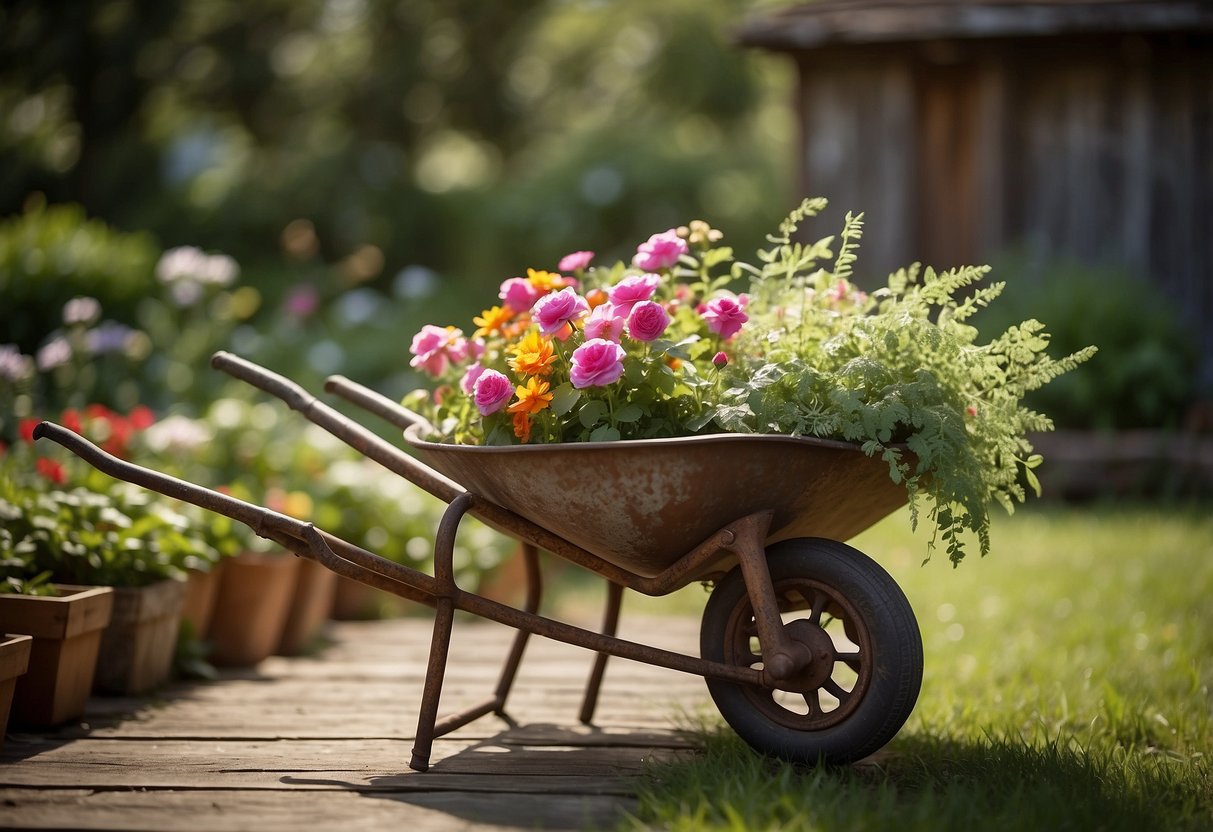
[[66, 632], [138, 645], [14, 661], [255, 593]]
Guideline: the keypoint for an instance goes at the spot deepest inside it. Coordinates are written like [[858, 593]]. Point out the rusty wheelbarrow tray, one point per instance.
[[808, 647]]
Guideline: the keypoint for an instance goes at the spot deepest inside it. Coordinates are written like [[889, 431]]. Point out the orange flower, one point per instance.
[[532, 397], [545, 281], [596, 298], [522, 427], [491, 320], [532, 356]]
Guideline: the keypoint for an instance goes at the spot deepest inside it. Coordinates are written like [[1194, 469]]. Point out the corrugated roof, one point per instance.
[[828, 22]]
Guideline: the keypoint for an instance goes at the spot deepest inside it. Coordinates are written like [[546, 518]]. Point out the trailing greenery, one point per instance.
[[899, 371]]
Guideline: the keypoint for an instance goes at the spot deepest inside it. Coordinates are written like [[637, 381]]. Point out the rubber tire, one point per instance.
[[895, 642]]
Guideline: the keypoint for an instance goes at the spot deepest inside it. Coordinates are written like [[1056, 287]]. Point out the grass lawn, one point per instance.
[[1067, 686]]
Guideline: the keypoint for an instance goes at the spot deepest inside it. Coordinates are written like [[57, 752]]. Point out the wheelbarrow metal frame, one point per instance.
[[741, 541]]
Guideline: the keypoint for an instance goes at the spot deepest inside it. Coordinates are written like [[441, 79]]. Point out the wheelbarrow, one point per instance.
[[809, 649]]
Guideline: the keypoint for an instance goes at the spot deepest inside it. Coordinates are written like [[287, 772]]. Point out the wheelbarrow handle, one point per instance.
[[295, 396], [376, 403]]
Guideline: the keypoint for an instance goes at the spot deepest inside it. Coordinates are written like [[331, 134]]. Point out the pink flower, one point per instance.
[[597, 363], [631, 290], [491, 392], [660, 252], [434, 347], [647, 321], [725, 316], [468, 382], [576, 261], [604, 322], [519, 294], [720, 360], [554, 311], [302, 301]]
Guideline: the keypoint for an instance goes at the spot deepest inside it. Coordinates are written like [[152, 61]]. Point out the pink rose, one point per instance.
[[720, 360], [519, 294], [491, 392], [631, 290], [597, 363], [556, 310], [724, 316], [434, 347], [647, 321], [604, 322], [468, 382], [576, 261], [660, 252]]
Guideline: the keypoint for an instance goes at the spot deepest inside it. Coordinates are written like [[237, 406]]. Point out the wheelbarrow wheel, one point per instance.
[[860, 689]]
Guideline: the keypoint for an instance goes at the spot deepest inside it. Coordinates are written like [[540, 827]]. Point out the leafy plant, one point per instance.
[[901, 367], [68, 523]]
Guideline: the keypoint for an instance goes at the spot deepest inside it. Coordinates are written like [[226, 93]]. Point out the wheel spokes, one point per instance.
[[852, 660]]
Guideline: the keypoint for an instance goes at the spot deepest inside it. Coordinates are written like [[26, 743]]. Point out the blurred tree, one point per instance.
[[406, 124]]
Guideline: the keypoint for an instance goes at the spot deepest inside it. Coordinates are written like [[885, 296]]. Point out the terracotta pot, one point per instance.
[[355, 601], [138, 645], [14, 661], [315, 588], [66, 632], [254, 598], [201, 589]]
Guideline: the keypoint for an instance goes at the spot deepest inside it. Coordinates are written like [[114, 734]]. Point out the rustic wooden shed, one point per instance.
[[1061, 128]]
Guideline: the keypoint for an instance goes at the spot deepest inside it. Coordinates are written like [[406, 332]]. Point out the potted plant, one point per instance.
[[685, 340], [99, 532], [14, 661], [64, 626]]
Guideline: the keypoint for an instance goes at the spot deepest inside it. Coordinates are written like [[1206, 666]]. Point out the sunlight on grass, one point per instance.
[[1067, 685]]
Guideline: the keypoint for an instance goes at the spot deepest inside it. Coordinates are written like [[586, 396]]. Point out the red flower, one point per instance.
[[142, 417], [52, 470], [98, 411], [71, 421], [27, 429]]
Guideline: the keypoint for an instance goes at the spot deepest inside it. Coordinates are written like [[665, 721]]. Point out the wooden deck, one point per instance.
[[324, 741]]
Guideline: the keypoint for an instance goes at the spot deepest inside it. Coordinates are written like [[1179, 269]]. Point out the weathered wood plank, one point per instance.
[[269, 811], [326, 740], [349, 764]]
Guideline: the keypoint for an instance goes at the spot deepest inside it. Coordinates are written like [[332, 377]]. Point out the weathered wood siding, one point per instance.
[[1096, 148]]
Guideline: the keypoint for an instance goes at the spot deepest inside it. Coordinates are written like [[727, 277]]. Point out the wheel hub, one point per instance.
[[816, 649]]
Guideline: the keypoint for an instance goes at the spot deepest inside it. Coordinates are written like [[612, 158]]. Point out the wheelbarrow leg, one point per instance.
[[609, 625], [509, 670], [440, 640], [428, 725]]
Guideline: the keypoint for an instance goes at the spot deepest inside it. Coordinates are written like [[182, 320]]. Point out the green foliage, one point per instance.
[[900, 372], [51, 254], [1146, 373], [79, 536]]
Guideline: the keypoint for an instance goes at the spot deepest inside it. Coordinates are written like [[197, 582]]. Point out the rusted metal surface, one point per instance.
[[610, 625], [346, 559], [638, 504]]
